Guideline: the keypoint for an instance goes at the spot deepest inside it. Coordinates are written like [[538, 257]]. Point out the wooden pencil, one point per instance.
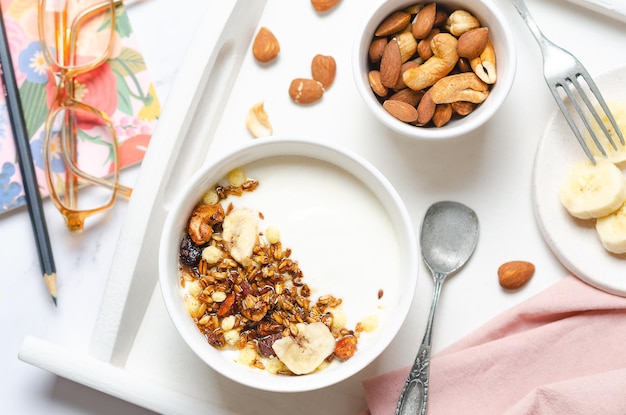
[[27, 169]]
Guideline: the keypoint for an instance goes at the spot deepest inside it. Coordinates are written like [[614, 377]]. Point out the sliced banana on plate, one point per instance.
[[612, 231], [592, 191], [305, 350]]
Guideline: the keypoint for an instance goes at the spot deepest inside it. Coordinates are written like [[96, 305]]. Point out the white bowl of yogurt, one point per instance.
[[344, 225]]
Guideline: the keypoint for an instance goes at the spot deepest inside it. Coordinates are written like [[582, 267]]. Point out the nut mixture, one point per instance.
[[245, 291], [429, 65]]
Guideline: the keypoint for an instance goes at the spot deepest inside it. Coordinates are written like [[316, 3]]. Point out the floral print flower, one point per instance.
[[9, 190], [56, 158], [97, 88], [33, 64], [152, 108]]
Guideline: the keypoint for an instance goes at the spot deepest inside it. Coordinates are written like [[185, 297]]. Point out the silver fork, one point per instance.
[[563, 71]]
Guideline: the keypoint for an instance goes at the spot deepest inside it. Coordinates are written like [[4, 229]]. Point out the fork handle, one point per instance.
[[530, 22]]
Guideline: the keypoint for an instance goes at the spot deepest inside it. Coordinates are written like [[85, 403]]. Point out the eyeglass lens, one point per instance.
[[77, 33], [76, 131]]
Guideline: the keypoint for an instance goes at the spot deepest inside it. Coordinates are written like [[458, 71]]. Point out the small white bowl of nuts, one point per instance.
[[434, 70], [288, 265]]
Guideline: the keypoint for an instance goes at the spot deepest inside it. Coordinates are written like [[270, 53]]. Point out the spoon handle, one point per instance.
[[414, 396]]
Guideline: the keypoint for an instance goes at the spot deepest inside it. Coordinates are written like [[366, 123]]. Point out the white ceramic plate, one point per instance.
[[347, 228], [573, 241]]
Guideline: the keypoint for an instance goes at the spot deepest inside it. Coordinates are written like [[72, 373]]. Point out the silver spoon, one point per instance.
[[448, 237]]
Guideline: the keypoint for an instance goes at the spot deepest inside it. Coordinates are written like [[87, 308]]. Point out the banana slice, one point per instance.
[[239, 232], [618, 109], [592, 191], [612, 231], [303, 352]]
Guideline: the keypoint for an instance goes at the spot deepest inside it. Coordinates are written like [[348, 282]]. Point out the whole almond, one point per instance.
[[443, 114], [390, 64], [323, 69], [376, 84], [463, 65], [408, 95], [425, 109], [441, 17], [265, 47], [305, 91], [324, 5], [400, 110], [471, 43], [514, 274], [376, 49], [463, 108], [394, 23], [406, 65], [423, 46], [424, 21]]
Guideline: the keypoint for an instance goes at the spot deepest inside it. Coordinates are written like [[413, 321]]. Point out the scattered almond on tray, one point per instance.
[[324, 5], [308, 91], [515, 274], [265, 47]]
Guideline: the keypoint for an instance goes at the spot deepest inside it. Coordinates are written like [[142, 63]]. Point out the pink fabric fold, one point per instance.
[[562, 351]]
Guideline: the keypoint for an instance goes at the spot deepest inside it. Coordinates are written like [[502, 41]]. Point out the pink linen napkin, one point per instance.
[[560, 352]]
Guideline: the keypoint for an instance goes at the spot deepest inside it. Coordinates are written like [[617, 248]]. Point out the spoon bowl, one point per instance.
[[448, 237]]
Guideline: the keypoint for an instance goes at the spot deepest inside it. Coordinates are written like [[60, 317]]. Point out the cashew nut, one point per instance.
[[201, 221], [407, 44], [439, 65], [258, 122], [485, 65], [459, 87], [460, 21]]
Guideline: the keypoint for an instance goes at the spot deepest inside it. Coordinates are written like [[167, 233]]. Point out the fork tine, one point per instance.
[[565, 111], [596, 92], [607, 111], [581, 113]]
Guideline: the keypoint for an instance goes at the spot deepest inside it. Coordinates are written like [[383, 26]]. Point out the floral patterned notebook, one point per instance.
[[121, 87]]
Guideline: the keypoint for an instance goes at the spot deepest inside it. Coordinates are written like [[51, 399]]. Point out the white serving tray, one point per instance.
[[202, 86], [135, 352]]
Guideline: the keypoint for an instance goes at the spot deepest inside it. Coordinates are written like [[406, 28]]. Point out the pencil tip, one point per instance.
[[51, 283]]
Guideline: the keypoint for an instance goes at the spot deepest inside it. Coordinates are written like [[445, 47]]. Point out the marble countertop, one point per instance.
[[492, 175]]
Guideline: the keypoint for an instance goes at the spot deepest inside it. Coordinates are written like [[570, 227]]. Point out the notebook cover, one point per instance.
[[121, 87]]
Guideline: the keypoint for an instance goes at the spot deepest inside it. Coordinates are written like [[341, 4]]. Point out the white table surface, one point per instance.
[[490, 171]]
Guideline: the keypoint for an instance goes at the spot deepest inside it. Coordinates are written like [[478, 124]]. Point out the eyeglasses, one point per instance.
[[77, 37]]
